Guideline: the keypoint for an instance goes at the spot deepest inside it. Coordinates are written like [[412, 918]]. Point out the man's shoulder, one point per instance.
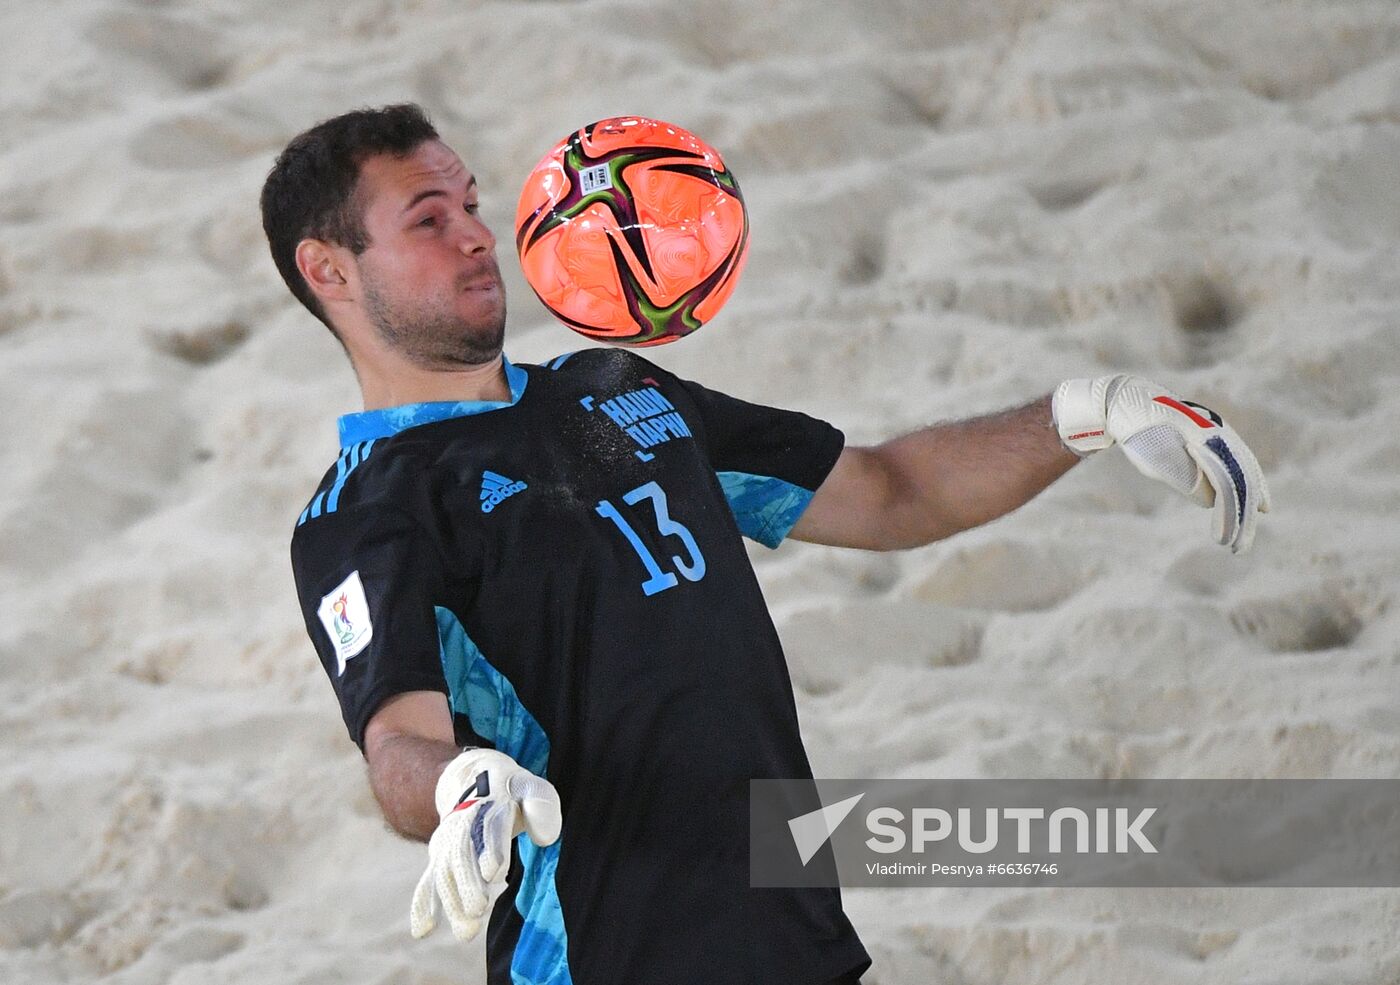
[[596, 360], [370, 476]]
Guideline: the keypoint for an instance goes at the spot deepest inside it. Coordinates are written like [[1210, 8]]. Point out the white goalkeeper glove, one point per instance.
[[485, 799], [1175, 441]]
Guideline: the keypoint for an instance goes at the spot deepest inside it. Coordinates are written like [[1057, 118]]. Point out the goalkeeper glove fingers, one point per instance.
[[484, 799]]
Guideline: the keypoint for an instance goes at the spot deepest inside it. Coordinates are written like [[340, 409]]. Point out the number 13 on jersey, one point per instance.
[[657, 580]]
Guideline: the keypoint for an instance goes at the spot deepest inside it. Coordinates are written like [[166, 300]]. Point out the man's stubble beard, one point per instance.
[[432, 336]]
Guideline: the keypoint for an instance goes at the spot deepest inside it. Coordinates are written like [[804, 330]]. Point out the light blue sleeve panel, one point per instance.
[[766, 508]]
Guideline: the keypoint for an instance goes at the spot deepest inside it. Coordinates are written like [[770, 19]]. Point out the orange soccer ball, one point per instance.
[[632, 231]]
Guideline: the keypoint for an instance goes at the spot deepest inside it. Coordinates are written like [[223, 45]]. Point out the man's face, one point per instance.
[[430, 283]]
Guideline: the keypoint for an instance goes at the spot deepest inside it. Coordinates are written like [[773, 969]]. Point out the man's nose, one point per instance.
[[475, 237]]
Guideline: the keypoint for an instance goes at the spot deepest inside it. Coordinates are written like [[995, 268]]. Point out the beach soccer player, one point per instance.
[[529, 589]]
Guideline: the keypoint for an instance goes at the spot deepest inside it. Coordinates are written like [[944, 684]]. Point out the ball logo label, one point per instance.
[[595, 179], [344, 612]]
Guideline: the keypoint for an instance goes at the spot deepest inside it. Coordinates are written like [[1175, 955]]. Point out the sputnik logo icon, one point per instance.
[[811, 831]]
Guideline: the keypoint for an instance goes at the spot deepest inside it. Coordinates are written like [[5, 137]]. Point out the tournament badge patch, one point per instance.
[[345, 614]]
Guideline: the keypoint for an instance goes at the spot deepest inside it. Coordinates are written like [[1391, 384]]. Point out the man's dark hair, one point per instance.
[[310, 192]]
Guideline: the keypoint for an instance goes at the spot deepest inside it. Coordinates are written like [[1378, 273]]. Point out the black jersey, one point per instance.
[[567, 567]]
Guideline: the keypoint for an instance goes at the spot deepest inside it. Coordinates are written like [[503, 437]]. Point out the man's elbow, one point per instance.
[[907, 514]]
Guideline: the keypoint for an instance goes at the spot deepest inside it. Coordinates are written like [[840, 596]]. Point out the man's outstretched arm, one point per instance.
[[937, 481], [950, 477]]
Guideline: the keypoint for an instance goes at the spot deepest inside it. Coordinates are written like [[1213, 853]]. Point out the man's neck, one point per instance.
[[415, 385]]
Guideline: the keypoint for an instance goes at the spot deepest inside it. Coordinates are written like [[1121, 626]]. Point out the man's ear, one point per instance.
[[326, 269]]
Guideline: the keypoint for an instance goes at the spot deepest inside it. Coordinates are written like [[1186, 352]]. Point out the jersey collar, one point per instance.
[[385, 421]]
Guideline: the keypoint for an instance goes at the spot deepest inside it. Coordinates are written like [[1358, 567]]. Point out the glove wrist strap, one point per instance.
[[1080, 411]]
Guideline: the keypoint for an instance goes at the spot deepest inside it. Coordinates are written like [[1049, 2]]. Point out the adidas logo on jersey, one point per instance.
[[496, 488]]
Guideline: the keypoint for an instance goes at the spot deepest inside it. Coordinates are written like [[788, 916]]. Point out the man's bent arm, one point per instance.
[[408, 741], [937, 481]]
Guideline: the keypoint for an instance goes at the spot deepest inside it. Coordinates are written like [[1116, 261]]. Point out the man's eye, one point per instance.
[[472, 208], [428, 221]]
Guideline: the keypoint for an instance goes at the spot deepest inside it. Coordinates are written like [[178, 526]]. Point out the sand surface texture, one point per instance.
[[955, 205]]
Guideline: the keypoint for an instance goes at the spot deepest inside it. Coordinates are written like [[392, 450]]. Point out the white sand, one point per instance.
[[954, 206]]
